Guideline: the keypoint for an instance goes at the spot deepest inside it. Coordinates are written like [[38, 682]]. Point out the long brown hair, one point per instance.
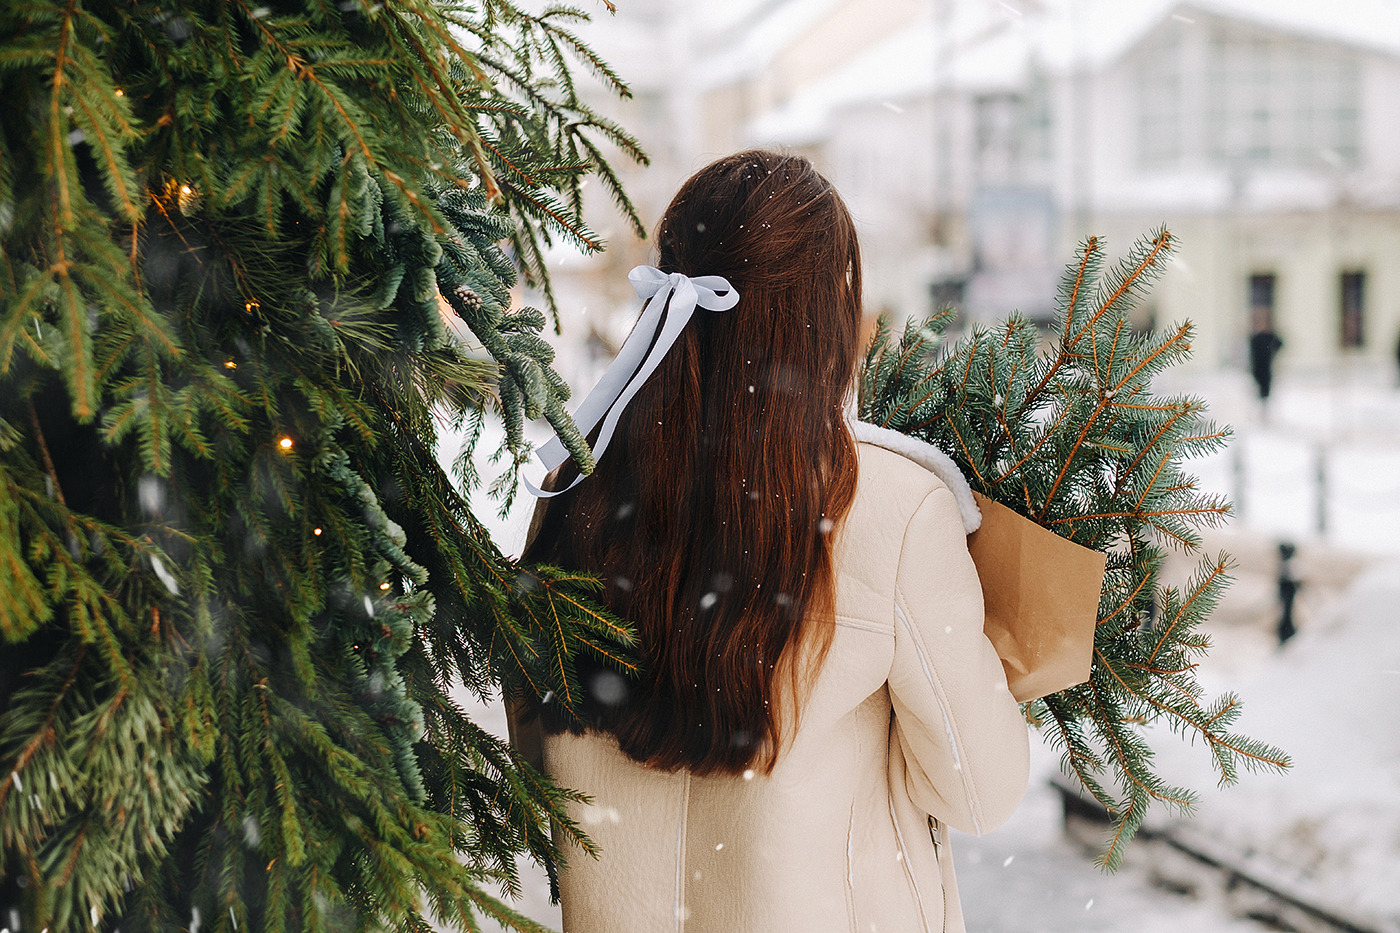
[[711, 514]]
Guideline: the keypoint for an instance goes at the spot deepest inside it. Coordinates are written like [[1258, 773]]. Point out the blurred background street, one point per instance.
[[977, 142]]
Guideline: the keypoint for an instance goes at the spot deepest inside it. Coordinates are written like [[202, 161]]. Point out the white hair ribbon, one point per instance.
[[640, 355]]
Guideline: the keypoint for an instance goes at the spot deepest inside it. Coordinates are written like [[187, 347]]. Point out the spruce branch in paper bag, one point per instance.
[[1076, 441]]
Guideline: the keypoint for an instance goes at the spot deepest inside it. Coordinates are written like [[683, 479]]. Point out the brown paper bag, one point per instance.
[[1042, 599]]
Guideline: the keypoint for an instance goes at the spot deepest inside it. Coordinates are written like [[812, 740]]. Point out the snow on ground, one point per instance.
[[1321, 465], [1027, 876], [1330, 827]]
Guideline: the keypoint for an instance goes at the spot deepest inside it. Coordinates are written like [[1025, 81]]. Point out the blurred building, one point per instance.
[[978, 141]]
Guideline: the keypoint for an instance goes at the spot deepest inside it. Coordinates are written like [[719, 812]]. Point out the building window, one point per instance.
[[1013, 132], [998, 136], [1353, 306], [1261, 301], [1277, 100], [1159, 112], [1037, 119]]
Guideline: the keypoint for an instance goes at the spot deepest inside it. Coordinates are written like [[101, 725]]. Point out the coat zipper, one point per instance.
[[909, 869], [935, 829]]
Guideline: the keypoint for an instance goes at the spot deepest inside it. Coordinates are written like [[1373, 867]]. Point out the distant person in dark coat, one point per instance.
[[1263, 347], [1288, 586]]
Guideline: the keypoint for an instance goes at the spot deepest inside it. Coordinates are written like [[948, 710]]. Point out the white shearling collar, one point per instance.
[[930, 458]]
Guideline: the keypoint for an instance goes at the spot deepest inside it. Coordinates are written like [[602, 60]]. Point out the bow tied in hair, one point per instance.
[[675, 294]]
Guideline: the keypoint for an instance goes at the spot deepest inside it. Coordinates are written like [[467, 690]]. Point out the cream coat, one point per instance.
[[909, 728]]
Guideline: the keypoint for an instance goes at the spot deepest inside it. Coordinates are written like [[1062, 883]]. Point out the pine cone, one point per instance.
[[470, 299]]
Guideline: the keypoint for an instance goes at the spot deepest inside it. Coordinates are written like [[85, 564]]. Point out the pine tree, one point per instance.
[[1075, 440], [236, 587]]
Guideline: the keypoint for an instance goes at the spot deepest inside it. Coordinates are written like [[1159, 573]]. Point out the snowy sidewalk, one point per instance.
[[1028, 877], [1321, 465], [1329, 829]]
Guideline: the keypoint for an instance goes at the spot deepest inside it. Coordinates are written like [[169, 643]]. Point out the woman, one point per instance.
[[819, 700]]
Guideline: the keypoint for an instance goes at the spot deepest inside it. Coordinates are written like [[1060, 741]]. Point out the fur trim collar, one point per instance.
[[930, 458]]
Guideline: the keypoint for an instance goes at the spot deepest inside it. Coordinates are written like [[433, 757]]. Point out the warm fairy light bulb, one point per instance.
[[121, 93], [184, 195], [230, 364], [383, 586], [316, 531], [251, 305], [285, 443]]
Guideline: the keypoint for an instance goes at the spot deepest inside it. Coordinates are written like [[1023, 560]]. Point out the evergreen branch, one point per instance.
[[1219, 510], [1143, 583], [612, 80], [1045, 436], [452, 115], [496, 106], [58, 153], [44, 734], [110, 151], [1160, 244], [1087, 254], [44, 453], [1270, 757], [1164, 430], [511, 166], [1182, 333], [610, 181], [1162, 466], [967, 455], [1127, 766], [905, 354], [599, 620], [285, 291], [1216, 573], [1219, 743], [1069, 460], [544, 206], [1163, 672], [1128, 819]]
